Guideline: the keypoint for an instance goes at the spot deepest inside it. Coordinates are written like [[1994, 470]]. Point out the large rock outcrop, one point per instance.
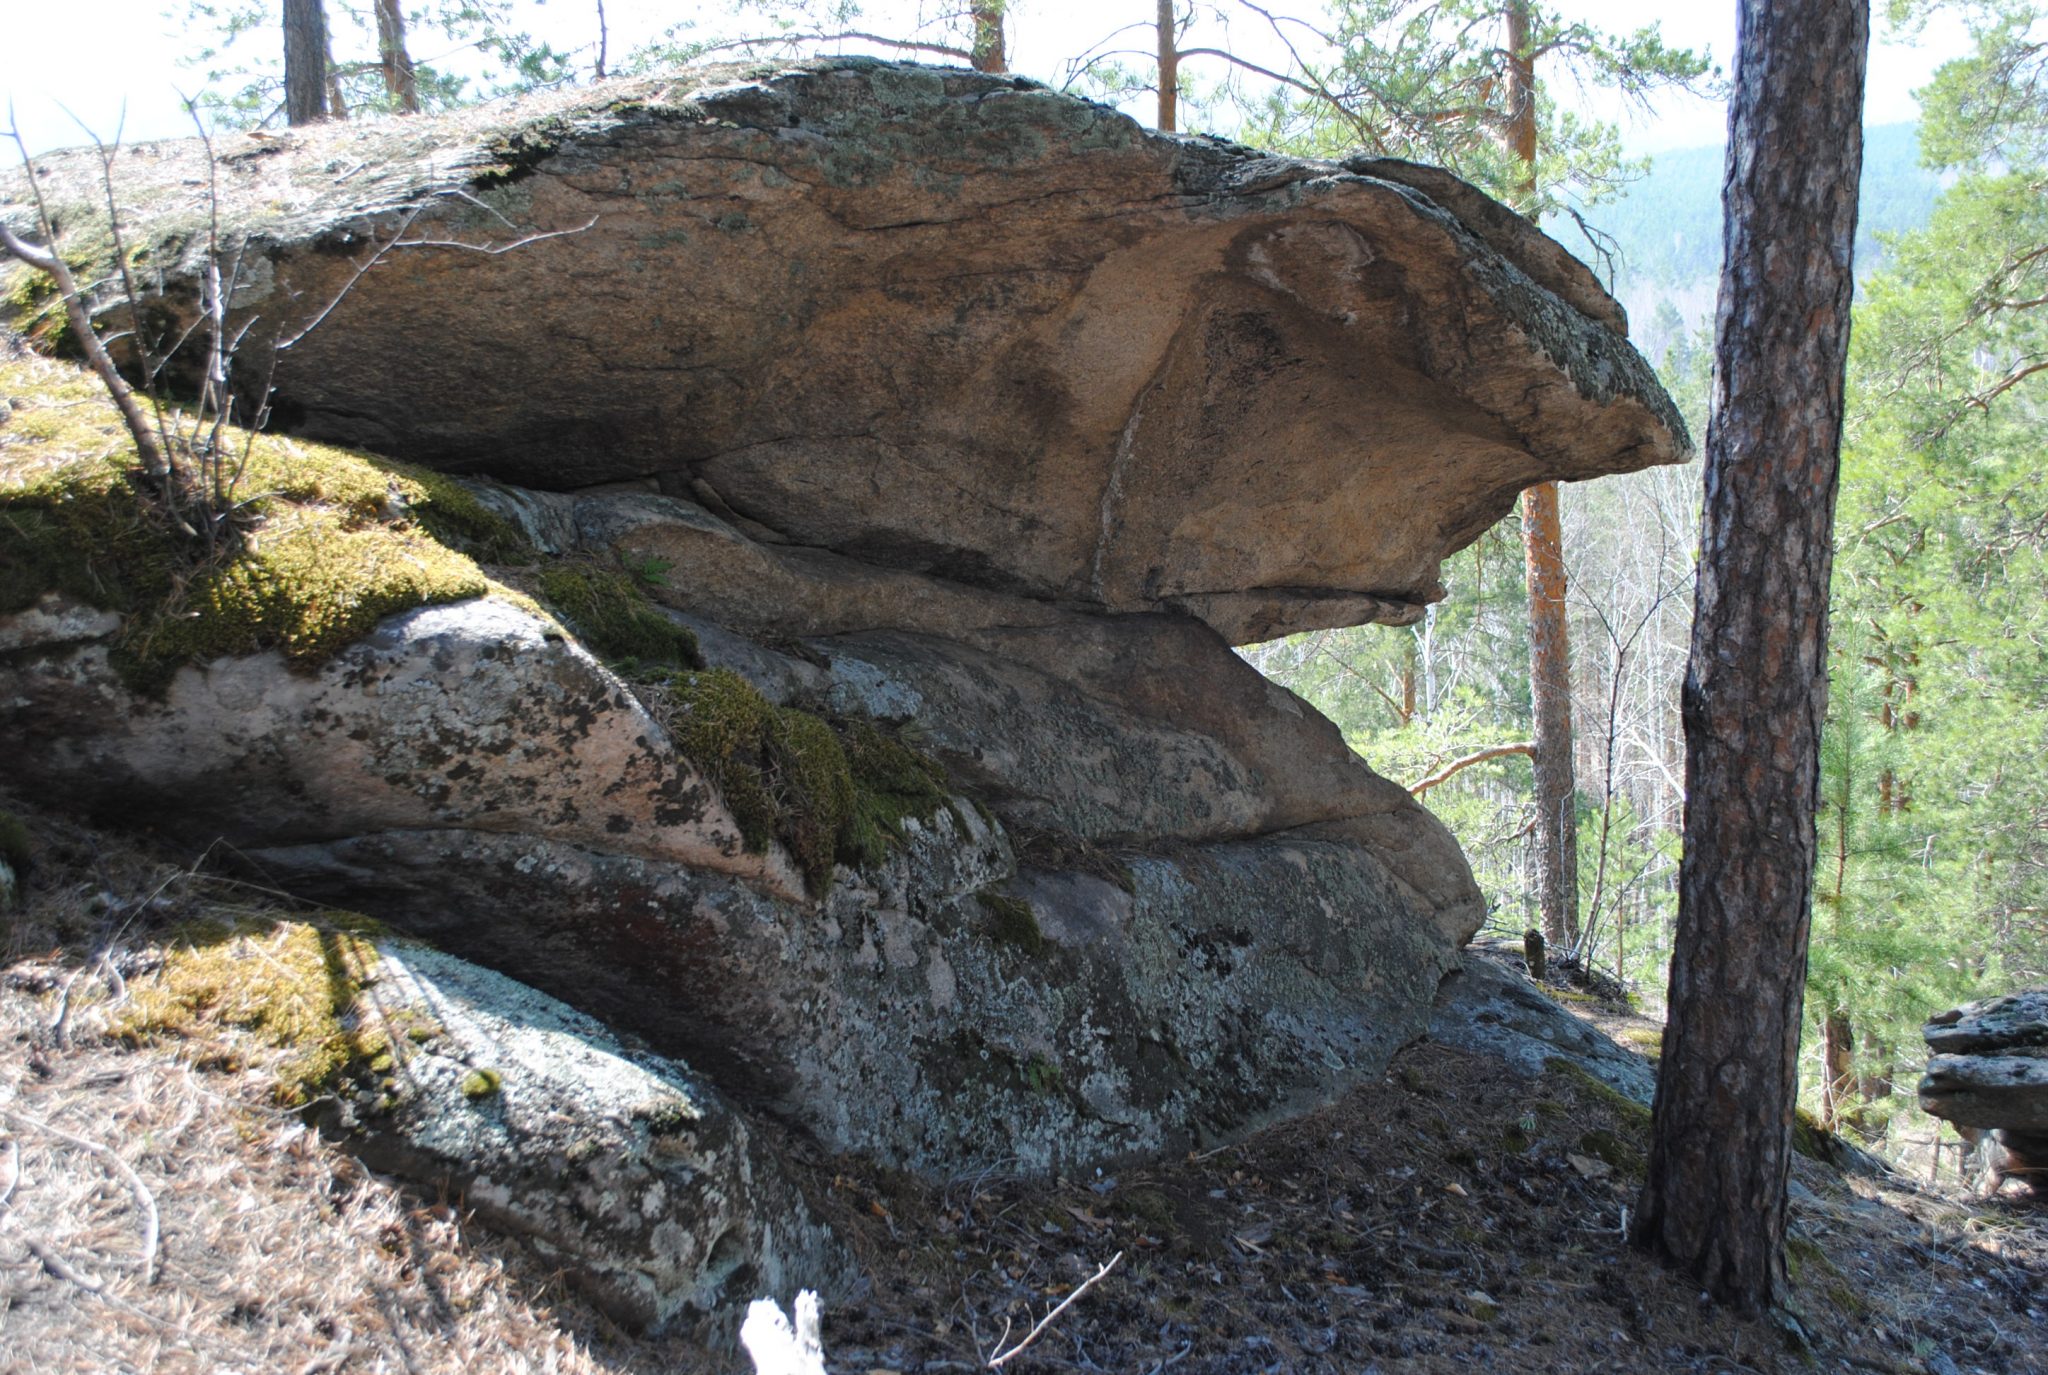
[[945, 411], [935, 320], [1989, 1072]]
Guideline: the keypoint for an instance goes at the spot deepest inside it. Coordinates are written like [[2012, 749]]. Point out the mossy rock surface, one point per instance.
[[329, 541], [611, 613], [290, 985], [14, 844], [831, 792]]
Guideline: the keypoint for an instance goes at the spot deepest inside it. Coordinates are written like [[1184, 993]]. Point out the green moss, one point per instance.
[[336, 540], [1042, 1076], [482, 1083], [1012, 922], [830, 794], [1648, 1039], [454, 515], [612, 615], [893, 783], [292, 986], [1590, 1086], [1149, 1206], [307, 589], [1817, 1143]]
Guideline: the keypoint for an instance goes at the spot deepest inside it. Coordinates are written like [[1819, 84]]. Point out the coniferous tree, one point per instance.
[[1756, 683]]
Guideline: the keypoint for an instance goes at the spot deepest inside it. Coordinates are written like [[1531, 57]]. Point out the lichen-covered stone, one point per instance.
[[477, 714], [905, 1018], [625, 1167], [1489, 1007]]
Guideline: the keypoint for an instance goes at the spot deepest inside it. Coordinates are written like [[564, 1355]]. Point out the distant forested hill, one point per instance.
[[1668, 228]]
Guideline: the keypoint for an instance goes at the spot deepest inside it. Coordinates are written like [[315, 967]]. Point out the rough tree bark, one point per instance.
[[1756, 685], [1169, 68], [399, 81], [305, 61], [1550, 658], [990, 54]]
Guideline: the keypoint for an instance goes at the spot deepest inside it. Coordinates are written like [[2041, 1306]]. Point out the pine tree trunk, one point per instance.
[[305, 61], [1550, 693], [1550, 657], [990, 55], [399, 80], [1169, 68], [1756, 687]]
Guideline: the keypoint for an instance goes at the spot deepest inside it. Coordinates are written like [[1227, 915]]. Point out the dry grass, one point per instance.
[[278, 1251]]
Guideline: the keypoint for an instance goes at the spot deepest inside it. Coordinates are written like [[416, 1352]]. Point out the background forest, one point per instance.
[[1933, 827], [1933, 885]]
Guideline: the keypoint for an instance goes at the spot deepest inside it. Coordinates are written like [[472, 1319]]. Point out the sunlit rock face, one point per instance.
[[934, 404], [939, 321]]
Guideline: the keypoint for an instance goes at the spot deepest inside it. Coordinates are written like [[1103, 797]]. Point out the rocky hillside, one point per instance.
[[740, 592]]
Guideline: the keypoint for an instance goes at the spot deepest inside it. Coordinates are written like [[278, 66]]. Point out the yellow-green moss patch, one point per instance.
[[830, 793], [331, 541], [291, 986], [482, 1083], [611, 613], [1610, 1147], [14, 844], [1591, 1086]]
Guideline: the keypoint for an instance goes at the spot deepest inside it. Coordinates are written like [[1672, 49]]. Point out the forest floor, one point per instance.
[[1452, 1216]]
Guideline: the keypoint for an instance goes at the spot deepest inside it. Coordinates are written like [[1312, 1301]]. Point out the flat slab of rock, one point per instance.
[[635, 1175], [1485, 1005], [933, 319], [1988, 1091], [1989, 1070], [2010, 1022]]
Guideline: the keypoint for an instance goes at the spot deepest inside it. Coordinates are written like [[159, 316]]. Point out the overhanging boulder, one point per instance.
[[936, 320]]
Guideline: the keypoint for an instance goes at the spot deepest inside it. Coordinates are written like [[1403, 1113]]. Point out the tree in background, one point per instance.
[[970, 32], [1456, 82], [305, 62], [1934, 879], [1756, 680], [248, 82]]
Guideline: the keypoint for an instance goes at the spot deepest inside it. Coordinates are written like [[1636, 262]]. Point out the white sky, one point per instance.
[[128, 59]]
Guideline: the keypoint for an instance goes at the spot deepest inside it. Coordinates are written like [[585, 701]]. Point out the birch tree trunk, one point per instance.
[[1756, 679]]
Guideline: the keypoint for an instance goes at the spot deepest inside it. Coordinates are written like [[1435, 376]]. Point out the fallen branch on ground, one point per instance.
[[995, 1362]]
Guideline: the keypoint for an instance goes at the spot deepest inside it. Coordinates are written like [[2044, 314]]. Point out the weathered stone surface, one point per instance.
[[935, 320], [478, 713], [1988, 1091], [637, 1177], [1176, 1004], [1123, 730], [1989, 1072], [1243, 954], [1488, 1006], [2010, 1022]]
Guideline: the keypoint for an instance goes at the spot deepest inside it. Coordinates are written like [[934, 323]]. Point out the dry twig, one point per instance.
[[145, 1202], [996, 1361]]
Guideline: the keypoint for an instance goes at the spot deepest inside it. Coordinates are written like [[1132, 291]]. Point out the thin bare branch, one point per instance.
[[997, 1361], [1456, 766]]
